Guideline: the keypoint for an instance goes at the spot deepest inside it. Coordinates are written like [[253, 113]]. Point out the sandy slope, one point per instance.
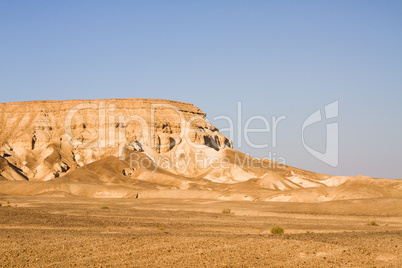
[[111, 177]]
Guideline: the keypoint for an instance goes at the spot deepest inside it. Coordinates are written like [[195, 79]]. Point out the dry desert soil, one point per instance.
[[43, 231]]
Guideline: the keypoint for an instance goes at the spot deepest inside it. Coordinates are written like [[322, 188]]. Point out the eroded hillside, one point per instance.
[[149, 148]]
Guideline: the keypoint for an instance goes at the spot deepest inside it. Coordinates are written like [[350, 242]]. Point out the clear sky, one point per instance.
[[277, 58]]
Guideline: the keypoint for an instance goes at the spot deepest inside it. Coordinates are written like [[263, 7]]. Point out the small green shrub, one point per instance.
[[226, 211], [372, 223], [277, 230], [161, 228], [104, 207]]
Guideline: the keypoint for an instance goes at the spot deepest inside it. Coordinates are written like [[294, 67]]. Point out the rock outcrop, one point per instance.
[[47, 139], [149, 148]]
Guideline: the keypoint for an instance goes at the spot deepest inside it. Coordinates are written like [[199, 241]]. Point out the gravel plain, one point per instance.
[[39, 231]]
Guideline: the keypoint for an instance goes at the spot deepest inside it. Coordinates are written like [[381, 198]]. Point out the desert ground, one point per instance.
[[45, 231]]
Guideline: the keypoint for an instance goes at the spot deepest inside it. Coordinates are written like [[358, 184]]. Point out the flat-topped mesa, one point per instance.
[[45, 139]]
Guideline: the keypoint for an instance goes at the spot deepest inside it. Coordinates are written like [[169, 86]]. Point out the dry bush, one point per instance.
[[226, 211], [277, 230]]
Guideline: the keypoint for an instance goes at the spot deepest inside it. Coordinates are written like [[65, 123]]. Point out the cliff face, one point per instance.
[[47, 139], [152, 148]]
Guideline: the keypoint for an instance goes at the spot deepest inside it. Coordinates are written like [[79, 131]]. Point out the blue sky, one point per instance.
[[276, 57]]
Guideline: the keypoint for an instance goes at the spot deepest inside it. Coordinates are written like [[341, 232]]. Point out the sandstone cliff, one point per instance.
[[152, 148], [46, 139]]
